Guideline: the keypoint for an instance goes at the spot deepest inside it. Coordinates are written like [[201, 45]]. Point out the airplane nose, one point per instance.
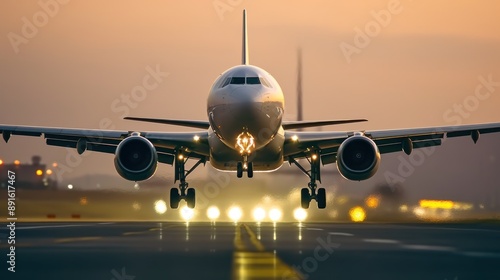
[[246, 94]]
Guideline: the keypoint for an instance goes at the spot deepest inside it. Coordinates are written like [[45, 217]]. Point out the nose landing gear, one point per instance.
[[244, 166]]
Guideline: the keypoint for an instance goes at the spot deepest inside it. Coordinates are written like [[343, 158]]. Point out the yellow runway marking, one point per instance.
[[77, 239], [134, 232], [253, 262]]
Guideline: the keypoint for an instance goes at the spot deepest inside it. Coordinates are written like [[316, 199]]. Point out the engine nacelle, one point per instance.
[[358, 158], [136, 158]]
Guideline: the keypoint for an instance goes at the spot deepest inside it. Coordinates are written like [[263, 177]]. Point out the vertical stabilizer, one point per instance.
[[245, 40]]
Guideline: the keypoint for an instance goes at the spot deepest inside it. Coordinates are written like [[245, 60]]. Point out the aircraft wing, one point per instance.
[[106, 141], [298, 144]]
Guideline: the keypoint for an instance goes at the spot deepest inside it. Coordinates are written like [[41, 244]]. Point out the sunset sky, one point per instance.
[[69, 64]]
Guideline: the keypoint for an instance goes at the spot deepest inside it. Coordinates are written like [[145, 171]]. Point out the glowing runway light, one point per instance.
[[275, 214], [259, 214], [300, 214], [373, 201], [357, 214], [160, 206], [213, 213], [234, 213], [187, 213]]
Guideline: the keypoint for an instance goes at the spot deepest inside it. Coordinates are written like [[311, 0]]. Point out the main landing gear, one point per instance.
[[186, 193], [312, 192]]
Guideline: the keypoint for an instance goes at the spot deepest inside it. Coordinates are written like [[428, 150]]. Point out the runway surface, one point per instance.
[[175, 250]]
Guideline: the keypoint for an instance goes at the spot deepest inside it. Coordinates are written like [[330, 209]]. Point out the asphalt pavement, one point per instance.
[[179, 250]]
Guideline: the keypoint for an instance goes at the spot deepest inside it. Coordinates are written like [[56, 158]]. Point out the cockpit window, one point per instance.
[[264, 82], [226, 82], [238, 80], [253, 81], [243, 80]]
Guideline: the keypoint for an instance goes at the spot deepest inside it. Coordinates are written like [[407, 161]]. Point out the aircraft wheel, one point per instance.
[[175, 198], [239, 170], [305, 198], [321, 198], [191, 198], [250, 170]]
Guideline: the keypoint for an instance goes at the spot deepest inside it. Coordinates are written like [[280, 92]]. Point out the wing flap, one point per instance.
[[61, 143]]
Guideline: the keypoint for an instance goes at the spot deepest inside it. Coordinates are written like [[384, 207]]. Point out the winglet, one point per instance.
[[245, 60]]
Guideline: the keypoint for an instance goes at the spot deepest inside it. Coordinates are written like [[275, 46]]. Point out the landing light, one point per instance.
[[300, 214], [187, 213], [259, 214], [234, 213], [196, 138], [213, 213], [70, 186], [160, 206], [295, 138], [245, 142], [275, 214]]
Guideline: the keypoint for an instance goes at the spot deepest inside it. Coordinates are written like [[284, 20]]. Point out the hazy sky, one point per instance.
[[397, 63]]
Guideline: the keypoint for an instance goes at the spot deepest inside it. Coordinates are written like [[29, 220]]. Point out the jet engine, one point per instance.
[[358, 158], [136, 158]]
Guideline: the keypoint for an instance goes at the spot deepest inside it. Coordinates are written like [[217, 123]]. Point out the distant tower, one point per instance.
[[300, 117], [36, 160]]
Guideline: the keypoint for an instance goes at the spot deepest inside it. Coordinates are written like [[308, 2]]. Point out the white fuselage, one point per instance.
[[245, 109]]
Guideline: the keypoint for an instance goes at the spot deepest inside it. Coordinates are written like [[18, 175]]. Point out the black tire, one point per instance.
[[305, 198], [250, 170], [239, 170], [191, 198], [175, 198], [321, 198]]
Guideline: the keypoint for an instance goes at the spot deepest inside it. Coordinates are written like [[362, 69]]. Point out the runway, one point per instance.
[[176, 250]]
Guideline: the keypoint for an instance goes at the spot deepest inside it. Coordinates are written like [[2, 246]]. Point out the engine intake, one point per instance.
[[358, 158], [136, 158]]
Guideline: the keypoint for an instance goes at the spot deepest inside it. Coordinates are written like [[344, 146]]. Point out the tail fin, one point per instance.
[[245, 60]]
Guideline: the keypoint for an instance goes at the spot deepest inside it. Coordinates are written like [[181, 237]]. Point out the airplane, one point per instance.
[[245, 132]]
